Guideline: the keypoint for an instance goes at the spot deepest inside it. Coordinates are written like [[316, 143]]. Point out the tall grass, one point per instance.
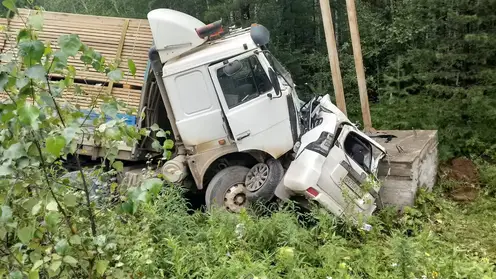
[[165, 241]]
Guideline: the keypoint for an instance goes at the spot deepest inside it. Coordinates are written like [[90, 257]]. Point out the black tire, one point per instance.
[[267, 191], [221, 182]]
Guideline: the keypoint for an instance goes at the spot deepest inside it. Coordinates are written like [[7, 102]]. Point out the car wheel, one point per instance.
[[262, 180]]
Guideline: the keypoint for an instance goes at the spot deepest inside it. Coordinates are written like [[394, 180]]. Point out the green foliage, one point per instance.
[[488, 178], [51, 220]]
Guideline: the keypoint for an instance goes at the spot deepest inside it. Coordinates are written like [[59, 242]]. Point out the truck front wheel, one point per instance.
[[227, 189]]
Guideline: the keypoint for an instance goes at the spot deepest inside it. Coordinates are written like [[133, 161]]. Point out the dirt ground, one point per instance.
[[464, 174]]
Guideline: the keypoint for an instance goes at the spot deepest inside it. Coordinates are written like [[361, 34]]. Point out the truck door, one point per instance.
[[351, 161], [257, 117]]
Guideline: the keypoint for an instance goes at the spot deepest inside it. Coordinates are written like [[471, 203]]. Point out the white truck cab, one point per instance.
[[240, 130], [224, 96]]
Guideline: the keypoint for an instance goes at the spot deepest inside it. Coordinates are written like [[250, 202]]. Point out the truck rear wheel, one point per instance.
[[227, 189]]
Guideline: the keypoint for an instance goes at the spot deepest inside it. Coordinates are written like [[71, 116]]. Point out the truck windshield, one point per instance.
[[279, 68], [246, 84]]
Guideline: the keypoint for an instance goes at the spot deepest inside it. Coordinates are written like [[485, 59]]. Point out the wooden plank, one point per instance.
[[79, 18], [119, 47]]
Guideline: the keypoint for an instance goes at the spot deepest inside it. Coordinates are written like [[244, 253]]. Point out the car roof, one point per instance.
[[211, 52]]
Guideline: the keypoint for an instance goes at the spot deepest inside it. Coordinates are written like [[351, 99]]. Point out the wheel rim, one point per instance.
[[235, 198], [257, 177]]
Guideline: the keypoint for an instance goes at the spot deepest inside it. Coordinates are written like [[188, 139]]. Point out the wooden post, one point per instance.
[[360, 72], [120, 47], [332, 50]]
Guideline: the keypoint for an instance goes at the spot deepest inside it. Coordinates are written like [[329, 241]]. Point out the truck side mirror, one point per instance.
[[275, 82]]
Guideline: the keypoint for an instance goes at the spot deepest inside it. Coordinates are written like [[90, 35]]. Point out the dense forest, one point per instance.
[[430, 64]]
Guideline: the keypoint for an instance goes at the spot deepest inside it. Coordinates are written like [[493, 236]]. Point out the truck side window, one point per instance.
[[359, 150], [248, 83]]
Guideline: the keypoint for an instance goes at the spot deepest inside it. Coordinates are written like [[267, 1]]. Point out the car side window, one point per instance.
[[359, 150], [246, 84]]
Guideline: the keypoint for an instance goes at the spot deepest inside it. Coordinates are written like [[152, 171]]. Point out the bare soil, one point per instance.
[[464, 172]]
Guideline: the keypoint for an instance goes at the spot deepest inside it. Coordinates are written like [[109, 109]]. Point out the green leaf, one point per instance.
[[153, 185], [69, 133], [10, 4], [5, 170], [168, 144], [75, 240], [132, 67], [15, 151], [118, 166], [115, 75], [70, 44], [78, 90], [161, 134], [70, 260], [55, 266], [47, 99], [28, 114], [55, 145], [23, 163], [36, 21], [156, 145], [34, 274], [100, 240], [62, 246], [15, 274], [110, 109], [6, 214], [37, 264], [59, 60], [25, 234], [36, 208], [33, 150], [21, 82], [32, 51], [4, 79], [23, 35], [58, 89], [155, 127], [29, 203], [48, 50], [130, 207], [36, 72], [70, 200], [101, 267], [52, 206], [52, 219], [93, 58]]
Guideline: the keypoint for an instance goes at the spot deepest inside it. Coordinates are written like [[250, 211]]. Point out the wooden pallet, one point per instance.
[[115, 38]]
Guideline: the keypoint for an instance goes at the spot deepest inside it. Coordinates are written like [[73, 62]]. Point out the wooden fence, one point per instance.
[[114, 38]]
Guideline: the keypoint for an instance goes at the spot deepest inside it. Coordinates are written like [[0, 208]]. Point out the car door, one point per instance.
[[348, 174], [257, 117]]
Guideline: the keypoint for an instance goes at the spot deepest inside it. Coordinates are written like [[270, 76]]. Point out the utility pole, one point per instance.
[[360, 72], [332, 50]]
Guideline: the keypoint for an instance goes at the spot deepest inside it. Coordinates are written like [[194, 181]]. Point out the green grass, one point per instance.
[[437, 239]]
